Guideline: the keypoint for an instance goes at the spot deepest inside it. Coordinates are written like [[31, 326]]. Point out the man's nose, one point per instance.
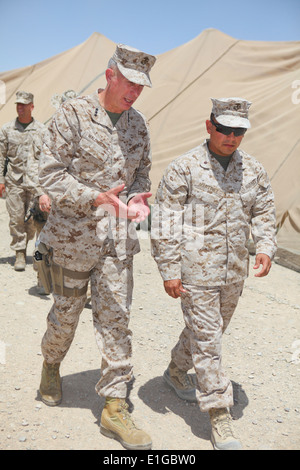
[[232, 136]]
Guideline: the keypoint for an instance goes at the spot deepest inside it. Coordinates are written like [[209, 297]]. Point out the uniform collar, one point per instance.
[[100, 115], [31, 125], [209, 162]]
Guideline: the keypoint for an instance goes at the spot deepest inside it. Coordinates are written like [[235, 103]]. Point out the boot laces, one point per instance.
[[126, 416], [223, 424]]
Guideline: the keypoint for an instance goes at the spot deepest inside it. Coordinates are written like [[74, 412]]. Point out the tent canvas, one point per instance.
[[211, 65]]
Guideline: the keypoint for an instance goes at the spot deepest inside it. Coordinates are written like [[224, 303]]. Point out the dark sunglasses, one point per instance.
[[237, 131]]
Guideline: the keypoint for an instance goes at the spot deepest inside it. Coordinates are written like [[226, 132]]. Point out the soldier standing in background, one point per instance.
[[20, 147], [95, 168], [222, 191]]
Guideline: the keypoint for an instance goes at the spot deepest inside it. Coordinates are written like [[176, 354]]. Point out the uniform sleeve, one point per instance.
[[263, 223], [59, 146], [142, 181], [32, 171], [3, 152], [167, 222]]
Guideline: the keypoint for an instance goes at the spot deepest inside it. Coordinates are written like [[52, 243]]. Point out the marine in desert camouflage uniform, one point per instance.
[[220, 192], [95, 168], [20, 147]]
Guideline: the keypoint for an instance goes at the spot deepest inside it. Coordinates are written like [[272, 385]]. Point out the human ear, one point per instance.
[[208, 126], [109, 74]]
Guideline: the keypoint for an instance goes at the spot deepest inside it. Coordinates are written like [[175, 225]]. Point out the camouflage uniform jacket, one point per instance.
[[23, 148], [84, 155], [212, 248]]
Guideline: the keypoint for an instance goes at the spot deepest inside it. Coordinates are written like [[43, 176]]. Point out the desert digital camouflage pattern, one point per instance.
[[23, 149], [231, 112], [199, 235], [83, 156], [112, 278], [24, 97], [212, 249], [135, 65], [207, 312]]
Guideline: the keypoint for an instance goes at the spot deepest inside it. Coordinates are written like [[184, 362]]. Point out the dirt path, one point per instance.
[[261, 355]]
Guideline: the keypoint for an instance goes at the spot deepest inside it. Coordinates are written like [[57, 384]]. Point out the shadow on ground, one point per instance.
[[79, 392]]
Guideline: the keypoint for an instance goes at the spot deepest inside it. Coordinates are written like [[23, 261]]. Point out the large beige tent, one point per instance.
[[211, 65]]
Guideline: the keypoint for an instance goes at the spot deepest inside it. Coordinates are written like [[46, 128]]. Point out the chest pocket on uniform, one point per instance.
[[248, 195], [12, 146], [91, 161], [92, 149], [210, 202], [209, 196]]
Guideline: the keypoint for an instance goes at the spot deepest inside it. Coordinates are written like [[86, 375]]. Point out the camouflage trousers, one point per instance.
[[111, 291], [207, 312], [18, 203]]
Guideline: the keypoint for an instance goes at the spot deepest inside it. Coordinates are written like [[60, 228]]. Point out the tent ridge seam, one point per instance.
[[82, 90], [197, 78], [32, 68], [92, 81]]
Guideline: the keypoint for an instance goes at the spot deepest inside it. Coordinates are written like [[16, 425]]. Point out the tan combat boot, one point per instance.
[[50, 387], [117, 423], [181, 382], [222, 433], [20, 260]]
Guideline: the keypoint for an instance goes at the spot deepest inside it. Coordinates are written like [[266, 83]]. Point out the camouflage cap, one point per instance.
[[135, 65], [231, 112], [24, 97]]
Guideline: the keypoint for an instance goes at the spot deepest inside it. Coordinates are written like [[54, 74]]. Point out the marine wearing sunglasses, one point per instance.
[[237, 131], [224, 140]]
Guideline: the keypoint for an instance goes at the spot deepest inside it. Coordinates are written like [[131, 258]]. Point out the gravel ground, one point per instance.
[[261, 350]]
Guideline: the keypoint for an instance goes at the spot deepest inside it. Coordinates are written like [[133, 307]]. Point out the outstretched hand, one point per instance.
[[138, 208], [109, 201]]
